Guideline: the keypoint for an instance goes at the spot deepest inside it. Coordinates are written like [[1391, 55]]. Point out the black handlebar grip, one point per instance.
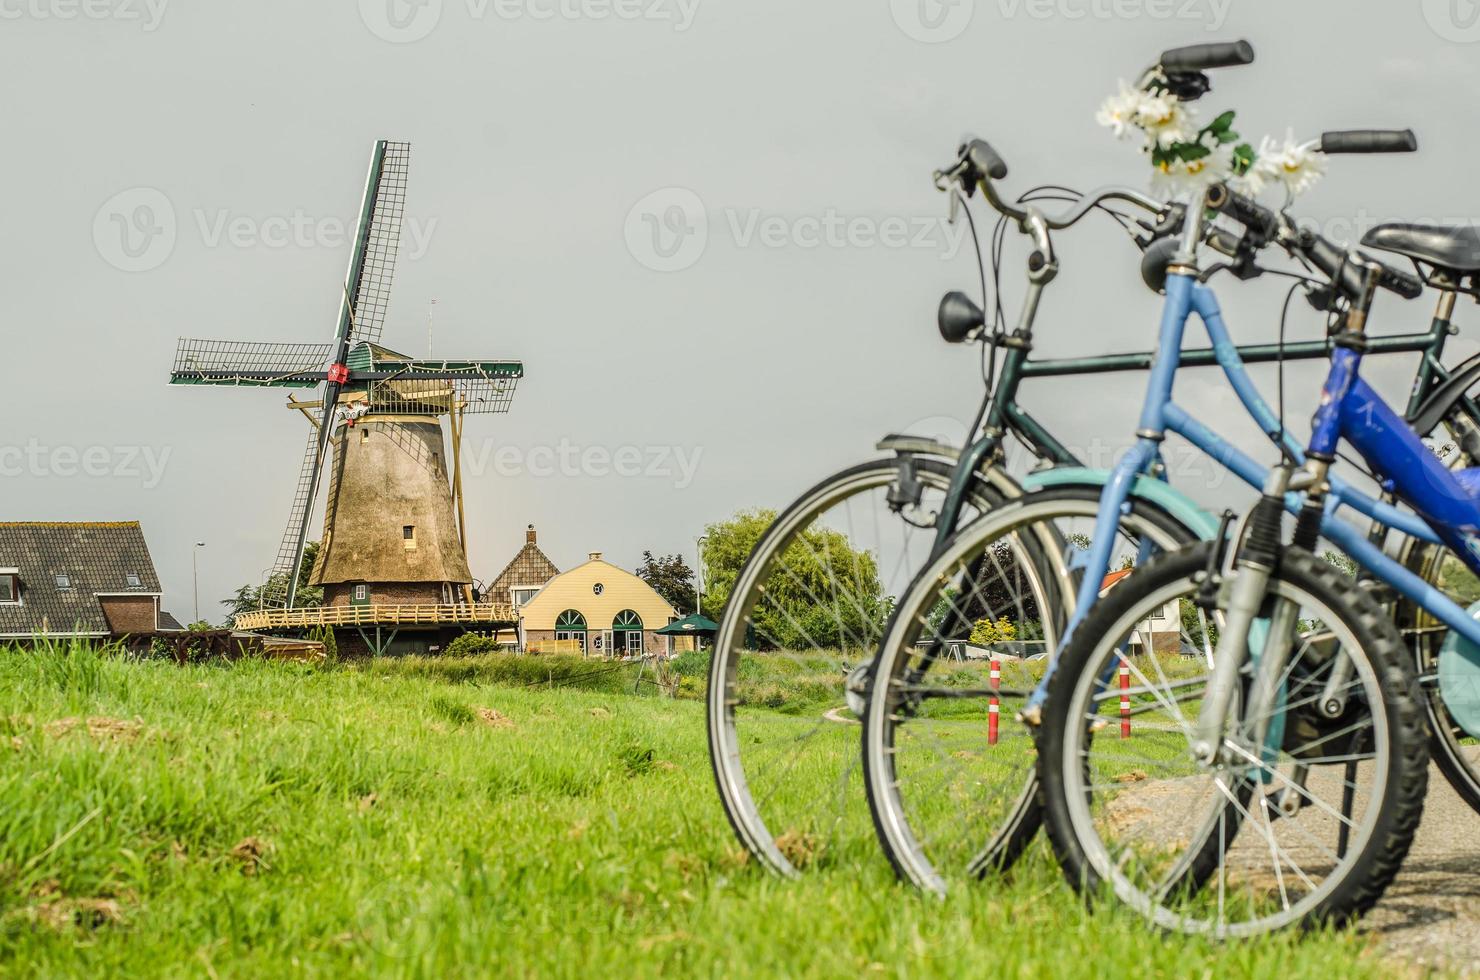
[[984, 159], [1199, 57], [1405, 284], [1369, 141], [1251, 214]]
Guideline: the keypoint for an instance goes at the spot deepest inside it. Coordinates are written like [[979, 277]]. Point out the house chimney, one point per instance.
[[529, 535], [594, 555]]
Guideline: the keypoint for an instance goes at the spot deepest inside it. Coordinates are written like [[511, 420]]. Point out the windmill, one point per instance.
[[382, 491]]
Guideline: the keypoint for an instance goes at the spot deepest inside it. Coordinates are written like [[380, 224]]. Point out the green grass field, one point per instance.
[[465, 818]]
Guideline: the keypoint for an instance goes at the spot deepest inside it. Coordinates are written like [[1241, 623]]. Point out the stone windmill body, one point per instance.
[[392, 562]]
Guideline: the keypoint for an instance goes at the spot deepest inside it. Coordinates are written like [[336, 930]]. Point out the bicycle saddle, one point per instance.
[[1454, 249]]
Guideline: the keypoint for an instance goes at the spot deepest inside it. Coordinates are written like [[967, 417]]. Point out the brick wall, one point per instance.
[[130, 613], [390, 593]]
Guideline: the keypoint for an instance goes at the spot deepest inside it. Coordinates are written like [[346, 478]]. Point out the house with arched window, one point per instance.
[[596, 609]]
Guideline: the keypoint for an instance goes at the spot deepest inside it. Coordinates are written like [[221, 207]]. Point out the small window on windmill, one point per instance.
[[362, 592], [364, 434], [408, 536]]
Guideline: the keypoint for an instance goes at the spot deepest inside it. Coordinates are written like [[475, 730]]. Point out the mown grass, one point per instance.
[[425, 819]]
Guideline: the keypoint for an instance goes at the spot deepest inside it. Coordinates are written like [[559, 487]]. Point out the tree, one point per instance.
[[985, 632], [251, 597], [671, 577], [822, 592]]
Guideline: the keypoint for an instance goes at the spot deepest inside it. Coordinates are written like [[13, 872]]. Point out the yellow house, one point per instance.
[[597, 609]]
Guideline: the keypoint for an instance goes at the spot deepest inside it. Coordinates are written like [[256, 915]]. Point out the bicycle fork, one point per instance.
[[1247, 589]]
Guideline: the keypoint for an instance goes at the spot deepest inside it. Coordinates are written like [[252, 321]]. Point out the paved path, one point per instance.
[[1430, 916]]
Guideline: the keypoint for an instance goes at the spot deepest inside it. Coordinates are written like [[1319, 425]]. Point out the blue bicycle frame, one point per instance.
[[1350, 409]]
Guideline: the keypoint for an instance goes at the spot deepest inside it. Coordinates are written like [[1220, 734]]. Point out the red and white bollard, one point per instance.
[[1125, 698], [992, 706]]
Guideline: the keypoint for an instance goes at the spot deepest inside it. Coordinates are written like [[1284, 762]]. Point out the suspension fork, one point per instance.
[[1254, 563]]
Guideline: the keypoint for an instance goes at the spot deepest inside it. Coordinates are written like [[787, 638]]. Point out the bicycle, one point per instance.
[[963, 485], [901, 830]]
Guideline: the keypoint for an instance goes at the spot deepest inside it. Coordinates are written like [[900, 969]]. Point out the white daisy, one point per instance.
[[1180, 177], [1118, 112], [1296, 165], [1165, 119]]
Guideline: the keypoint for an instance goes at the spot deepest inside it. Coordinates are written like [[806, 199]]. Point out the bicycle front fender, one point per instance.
[[1164, 495]]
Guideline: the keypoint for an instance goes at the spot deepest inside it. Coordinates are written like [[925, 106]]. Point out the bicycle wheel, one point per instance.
[[1310, 808], [950, 774], [806, 610], [1454, 751]]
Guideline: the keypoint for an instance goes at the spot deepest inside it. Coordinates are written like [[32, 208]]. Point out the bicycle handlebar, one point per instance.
[[1369, 141], [1199, 57], [1334, 261]]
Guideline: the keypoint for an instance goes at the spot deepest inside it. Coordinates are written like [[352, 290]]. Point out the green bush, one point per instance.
[[471, 643], [514, 670], [691, 663]]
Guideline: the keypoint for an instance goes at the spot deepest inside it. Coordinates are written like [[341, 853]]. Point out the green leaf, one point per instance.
[[1243, 158], [1222, 123]]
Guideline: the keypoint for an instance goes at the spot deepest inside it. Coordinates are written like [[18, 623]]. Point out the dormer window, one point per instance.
[[10, 589], [132, 578], [64, 581]]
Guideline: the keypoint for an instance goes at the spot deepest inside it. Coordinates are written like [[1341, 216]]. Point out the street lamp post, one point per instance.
[[699, 582], [195, 576]]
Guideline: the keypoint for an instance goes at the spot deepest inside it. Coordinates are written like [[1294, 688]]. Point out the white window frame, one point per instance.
[[361, 592], [14, 589]]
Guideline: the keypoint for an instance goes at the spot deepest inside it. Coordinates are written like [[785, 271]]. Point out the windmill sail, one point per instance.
[[283, 580], [372, 265], [251, 363]]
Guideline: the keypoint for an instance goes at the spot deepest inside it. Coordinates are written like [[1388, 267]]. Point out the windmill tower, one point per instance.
[[394, 551]]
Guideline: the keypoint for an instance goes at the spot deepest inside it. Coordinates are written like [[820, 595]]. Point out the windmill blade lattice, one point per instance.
[[249, 363], [285, 566], [374, 265]]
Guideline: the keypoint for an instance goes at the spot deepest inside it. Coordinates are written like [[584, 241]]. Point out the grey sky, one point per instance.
[[779, 354]]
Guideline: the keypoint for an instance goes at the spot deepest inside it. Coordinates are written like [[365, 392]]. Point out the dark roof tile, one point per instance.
[[95, 556]]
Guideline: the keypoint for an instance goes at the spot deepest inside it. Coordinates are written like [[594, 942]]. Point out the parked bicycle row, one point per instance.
[[1226, 721]]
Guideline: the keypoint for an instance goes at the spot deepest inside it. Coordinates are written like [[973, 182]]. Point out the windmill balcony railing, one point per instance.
[[378, 614]]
